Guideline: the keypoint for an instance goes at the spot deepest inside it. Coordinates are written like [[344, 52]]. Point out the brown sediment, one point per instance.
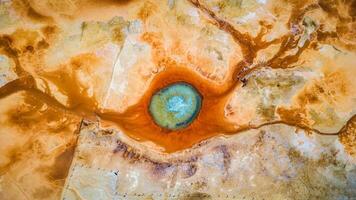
[[343, 35], [33, 147], [27, 84], [146, 11], [5, 47], [60, 167], [14, 156], [66, 80], [347, 136], [159, 167], [25, 8]]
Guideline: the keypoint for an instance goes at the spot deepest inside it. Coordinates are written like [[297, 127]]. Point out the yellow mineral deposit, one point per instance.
[[42, 108]]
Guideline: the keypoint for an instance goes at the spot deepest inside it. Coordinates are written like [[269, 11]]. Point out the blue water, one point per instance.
[[179, 106]]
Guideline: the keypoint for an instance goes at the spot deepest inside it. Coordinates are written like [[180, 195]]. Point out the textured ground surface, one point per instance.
[[277, 78]]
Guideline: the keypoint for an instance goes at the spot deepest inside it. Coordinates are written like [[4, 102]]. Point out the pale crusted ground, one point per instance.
[[103, 54], [268, 163]]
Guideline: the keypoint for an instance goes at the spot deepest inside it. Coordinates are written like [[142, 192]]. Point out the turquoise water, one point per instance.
[[175, 106]]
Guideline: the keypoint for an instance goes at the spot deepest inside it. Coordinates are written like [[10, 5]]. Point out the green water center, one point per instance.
[[175, 106]]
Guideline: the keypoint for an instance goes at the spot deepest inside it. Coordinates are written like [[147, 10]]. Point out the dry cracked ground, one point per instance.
[[279, 99]]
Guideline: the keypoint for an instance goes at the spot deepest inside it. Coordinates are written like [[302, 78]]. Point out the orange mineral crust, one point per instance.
[[137, 122], [276, 80]]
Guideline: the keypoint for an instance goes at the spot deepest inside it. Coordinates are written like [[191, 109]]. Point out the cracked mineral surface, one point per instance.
[[276, 118]]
